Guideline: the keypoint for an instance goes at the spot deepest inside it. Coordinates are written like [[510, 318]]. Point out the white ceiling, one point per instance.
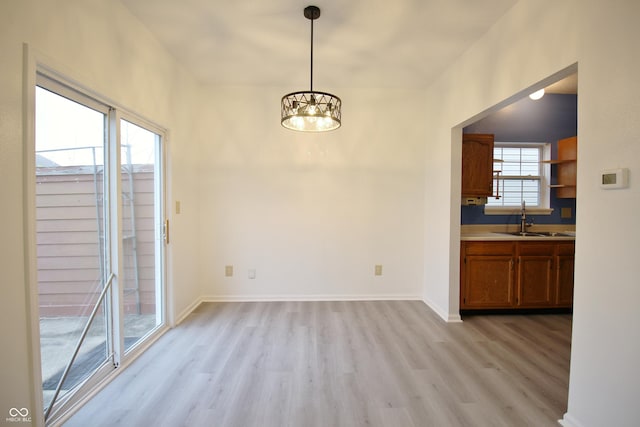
[[358, 43]]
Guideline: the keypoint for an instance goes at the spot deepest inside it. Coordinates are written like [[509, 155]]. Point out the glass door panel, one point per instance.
[[70, 237], [142, 220]]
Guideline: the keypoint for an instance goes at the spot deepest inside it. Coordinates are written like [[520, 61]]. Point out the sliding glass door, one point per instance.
[[99, 233], [142, 230]]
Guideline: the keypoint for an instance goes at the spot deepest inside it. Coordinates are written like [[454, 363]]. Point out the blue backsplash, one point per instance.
[[549, 119]]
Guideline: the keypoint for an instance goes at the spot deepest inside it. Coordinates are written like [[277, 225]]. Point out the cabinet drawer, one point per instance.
[[536, 248], [488, 248], [566, 248]]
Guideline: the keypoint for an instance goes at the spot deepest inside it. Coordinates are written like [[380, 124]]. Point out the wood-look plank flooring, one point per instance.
[[326, 364]]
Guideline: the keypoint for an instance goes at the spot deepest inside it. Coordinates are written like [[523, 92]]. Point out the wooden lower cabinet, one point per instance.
[[487, 274], [564, 274], [489, 281], [535, 279], [516, 274]]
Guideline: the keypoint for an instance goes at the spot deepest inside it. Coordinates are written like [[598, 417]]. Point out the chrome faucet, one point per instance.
[[523, 219]]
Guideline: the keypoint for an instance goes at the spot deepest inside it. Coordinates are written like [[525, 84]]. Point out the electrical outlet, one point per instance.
[[228, 270], [252, 273], [378, 270]]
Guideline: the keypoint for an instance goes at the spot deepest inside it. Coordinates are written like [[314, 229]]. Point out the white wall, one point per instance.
[[605, 374], [533, 41], [311, 213], [99, 44]]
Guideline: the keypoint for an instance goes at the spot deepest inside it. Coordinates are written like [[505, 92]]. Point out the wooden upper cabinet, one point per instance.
[[477, 165], [566, 168]]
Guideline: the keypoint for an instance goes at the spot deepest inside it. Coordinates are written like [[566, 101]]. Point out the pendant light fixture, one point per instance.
[[311, 111]]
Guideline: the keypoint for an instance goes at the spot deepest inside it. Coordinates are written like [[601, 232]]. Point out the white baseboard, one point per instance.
[[187, 311], [276, 298], [446, 316], [569, 421]]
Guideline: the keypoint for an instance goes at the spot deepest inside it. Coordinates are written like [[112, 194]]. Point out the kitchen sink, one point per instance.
[[541, 234]]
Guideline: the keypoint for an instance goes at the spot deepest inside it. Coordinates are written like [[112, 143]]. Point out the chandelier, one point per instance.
[[311, 111]]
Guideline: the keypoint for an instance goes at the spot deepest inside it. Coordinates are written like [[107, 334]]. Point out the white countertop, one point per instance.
[[501, 232], [505, 236]]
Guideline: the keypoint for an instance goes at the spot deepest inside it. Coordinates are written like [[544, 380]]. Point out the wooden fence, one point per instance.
[[70, 246]]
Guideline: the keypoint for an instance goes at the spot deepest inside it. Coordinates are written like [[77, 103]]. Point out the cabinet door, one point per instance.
[[477, 165], [487, 281], [535, 279], [564, 275]]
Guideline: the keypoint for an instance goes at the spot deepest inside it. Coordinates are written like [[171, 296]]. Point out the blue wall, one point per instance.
[[549, 119]]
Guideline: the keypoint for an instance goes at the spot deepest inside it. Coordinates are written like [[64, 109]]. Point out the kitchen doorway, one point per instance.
[[524, 122]]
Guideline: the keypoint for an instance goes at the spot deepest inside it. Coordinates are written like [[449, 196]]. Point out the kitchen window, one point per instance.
[[520, 174]]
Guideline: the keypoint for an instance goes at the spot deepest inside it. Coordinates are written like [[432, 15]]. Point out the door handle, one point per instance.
[[165, 231]]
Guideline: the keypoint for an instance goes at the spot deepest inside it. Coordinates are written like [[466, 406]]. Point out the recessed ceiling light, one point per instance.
[[537, 94]]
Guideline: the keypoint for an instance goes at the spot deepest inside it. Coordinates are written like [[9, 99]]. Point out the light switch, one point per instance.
[[378, 270], [228, 270], [177, 206]]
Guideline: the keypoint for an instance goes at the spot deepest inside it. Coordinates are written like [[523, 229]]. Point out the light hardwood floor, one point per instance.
[[326, 364]]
